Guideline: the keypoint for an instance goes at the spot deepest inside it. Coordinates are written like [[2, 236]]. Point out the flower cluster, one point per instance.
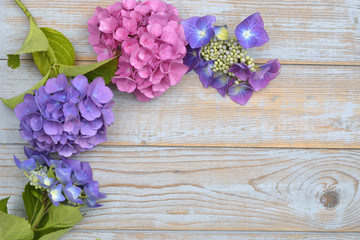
[[223, 63], [66, 118], [150, 40], [66, 181]]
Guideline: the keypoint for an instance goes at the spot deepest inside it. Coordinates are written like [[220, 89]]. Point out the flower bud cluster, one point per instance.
[[226, 53]]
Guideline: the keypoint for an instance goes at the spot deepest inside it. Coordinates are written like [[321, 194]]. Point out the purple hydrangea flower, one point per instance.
[[46, 182], [222, 62], [199, 30], [268, 72], [55, 195], [251, 33], [66, 118], [67, 181], [73, 193]]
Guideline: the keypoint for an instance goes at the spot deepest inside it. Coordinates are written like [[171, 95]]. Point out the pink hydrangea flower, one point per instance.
[[150, 41]]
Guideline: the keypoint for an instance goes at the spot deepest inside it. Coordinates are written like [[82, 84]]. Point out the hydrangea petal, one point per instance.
[[257, 79], [206, 75], [56, 84], [220, 83], [99, 92], [89, 110], [84, 175], [52, 127], [240, 93], [25, 108], [27, 165], [73, 164], [176, 73], [192, 58], [81, 84], [63, 174], [241, 71]]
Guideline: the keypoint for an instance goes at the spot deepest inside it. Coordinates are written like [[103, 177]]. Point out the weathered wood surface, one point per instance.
[[162, 188], [188, 182], [312, 106], [152, 235], [323, 31]]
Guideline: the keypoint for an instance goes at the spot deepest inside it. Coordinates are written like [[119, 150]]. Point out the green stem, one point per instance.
[[21, 5], [33, 216], [41, 213], [38, 217]]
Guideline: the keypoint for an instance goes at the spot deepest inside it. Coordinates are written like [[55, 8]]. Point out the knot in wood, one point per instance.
[[330, 199]]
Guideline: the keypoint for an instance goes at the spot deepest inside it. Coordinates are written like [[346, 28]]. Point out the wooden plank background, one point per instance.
[[194, 165]]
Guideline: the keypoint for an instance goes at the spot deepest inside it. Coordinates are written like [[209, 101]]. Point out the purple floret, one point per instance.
[[199, 30], [251, 33]]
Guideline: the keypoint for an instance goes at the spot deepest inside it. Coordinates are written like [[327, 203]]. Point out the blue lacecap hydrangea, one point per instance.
[[222, 63], [66, 181]]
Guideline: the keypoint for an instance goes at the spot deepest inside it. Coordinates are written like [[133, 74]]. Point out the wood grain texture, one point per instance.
[[313, 107], [162, 188], [317, 32], [180, 187], [173, 235]]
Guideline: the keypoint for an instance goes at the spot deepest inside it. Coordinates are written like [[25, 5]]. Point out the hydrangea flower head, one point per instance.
[[60, 179], [67, 118], [150, 41], [223, 62]]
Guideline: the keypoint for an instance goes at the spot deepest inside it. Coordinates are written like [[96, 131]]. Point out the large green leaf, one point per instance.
[[35, 41], [63, 217], [51, 233], [3, 205], [14, 228], [31, 202], [60, 51], [105, 69], [12, 102]]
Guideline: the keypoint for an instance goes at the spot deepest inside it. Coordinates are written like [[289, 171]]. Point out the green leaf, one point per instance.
[[3, 205], [51, 234], [105, 69], [13, 61], [35, 41], [60, 51], [12, 102], [36, 193], [31, 202], [14, 228], [63, 216]]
